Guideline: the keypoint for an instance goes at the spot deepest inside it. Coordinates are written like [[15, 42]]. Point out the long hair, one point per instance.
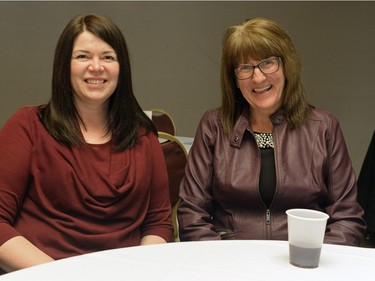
[[125, 116], [259, 39]]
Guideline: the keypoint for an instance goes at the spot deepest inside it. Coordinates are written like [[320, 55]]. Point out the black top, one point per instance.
[[267, 179]]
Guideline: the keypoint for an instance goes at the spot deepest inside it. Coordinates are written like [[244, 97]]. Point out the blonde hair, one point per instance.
[[260, 38]]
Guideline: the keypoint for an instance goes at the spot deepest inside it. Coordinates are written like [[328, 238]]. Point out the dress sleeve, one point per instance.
[[345, 225], [16, 138], [195, 207], [158, 218]]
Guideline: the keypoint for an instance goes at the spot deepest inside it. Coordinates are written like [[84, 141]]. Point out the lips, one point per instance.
[[262, 89]]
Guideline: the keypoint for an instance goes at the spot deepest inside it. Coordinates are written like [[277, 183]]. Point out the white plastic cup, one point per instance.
[[306, 229]]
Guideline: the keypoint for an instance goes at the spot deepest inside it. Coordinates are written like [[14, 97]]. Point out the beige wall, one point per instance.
[[175, 53]]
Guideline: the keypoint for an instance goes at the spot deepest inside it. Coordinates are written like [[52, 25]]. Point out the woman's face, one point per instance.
[[263, 91], [94, 70]]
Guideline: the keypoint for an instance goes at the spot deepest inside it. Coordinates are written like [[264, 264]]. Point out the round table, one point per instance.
[[205, 261]]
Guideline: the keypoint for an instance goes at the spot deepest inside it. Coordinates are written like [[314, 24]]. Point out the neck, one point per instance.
[[94, 124], [261, 123]]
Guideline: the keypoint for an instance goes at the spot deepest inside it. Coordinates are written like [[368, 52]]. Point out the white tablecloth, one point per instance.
[[205, 261]]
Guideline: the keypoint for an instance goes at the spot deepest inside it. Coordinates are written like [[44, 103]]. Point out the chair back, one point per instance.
[[163, 121], [175, 158]]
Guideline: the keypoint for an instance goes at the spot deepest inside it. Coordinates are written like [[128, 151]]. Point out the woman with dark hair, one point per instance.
[[266, 150], [86, 171]]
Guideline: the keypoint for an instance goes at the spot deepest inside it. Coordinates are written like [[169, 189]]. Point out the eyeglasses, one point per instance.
[[268, 66]]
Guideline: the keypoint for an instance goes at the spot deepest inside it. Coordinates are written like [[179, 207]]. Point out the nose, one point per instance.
[[258, 75], [96, 65]]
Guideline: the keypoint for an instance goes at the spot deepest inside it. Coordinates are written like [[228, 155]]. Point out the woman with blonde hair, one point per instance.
[[266, 150]]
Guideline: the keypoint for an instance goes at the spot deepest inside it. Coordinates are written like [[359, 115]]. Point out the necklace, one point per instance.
[[264, 140]]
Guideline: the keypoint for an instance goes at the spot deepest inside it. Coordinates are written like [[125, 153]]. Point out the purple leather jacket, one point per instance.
[[220, 191]]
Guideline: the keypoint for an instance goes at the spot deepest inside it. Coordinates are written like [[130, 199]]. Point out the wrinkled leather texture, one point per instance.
[[220, 191]]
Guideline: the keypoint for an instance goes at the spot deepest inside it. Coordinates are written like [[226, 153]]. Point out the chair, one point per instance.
[[175, 158], [163, 121]]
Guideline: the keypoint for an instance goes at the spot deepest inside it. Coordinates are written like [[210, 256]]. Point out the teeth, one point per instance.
[[262, 89], [95, 81]]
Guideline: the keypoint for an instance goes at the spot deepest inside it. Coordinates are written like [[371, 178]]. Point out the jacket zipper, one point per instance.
[[268, 212], [268, 224], [268, 217]]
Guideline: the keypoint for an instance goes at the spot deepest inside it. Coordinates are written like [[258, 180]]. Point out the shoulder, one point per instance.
[[210, 122], [213, 114], [147, 136], [324, 116], [320, 114], [24, 116], [211, 117], [23, 125], [209, 127], [327, 122], [27, 111]]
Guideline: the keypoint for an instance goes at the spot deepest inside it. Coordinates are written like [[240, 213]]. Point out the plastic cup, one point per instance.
[[306, 229]]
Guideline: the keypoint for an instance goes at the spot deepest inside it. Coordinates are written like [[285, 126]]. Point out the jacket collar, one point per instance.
[[243, 124]]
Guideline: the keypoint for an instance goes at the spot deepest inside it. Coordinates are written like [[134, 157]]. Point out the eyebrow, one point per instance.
[[86, 51]]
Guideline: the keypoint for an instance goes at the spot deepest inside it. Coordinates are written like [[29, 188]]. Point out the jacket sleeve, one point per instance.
[[345, 225], [194, 211], [16, 139]]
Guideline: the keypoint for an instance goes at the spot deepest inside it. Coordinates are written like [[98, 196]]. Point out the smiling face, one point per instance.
[[94, 70], [263, 91]]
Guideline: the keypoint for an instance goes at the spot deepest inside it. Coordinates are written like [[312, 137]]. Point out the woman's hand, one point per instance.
[[152, 239]]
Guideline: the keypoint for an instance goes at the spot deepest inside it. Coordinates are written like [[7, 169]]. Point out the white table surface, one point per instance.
[[205, 261]]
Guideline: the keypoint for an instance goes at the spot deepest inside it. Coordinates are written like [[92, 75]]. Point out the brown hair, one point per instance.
[[259, 39], [125, 116]]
